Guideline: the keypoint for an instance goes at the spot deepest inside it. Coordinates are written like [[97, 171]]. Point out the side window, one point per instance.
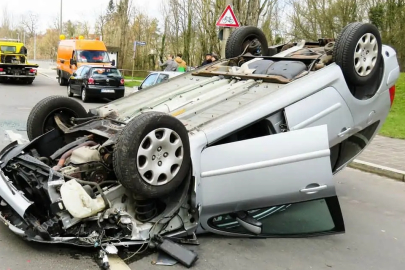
[[311, 217], [162, 78], [149, 80]]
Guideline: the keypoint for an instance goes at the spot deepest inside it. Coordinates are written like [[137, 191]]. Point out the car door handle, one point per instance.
[[313, 190], [344, 132]]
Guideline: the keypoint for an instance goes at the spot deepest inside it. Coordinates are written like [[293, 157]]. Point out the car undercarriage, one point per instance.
[[147, 168]]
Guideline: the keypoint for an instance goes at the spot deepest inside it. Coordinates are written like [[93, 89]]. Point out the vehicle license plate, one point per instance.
[[107, 91]]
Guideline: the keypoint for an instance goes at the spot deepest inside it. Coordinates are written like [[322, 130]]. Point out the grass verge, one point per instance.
[[394, 126], [134, 78], [132, 84]]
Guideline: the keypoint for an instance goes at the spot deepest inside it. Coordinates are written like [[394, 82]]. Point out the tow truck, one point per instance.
[[14, 65]]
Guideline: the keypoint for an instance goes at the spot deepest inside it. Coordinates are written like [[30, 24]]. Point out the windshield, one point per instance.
[[92, 57], [105, 72], [9, 49]]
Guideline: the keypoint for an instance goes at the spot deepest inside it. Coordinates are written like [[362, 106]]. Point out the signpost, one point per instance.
[[136, 43], [227, 20]]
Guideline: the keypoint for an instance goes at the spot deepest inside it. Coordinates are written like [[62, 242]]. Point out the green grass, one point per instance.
[[132, 84], [134, 78], [394, 126]]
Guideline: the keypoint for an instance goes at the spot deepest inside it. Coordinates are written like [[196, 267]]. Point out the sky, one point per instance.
[[74, 10]]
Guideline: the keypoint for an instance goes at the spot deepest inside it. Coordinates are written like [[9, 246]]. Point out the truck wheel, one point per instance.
[[61, 80], [357, 51], [152, 155], [246, 36], [41, 118]]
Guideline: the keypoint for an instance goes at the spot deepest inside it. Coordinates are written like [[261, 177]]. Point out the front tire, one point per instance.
[[358, 52], [41, 118], [152, 155]]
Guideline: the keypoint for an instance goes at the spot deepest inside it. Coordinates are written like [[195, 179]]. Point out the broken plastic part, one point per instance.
[[78, 202], [181, 254], [84, 155], [110, 249]]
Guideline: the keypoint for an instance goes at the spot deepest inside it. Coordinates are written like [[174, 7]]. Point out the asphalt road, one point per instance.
[[373, 209]]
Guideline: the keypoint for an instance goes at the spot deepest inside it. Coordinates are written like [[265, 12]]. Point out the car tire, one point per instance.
[[357, 51], [69, 90], [41, 117], [84, 96], [240, 38], [144, 168]]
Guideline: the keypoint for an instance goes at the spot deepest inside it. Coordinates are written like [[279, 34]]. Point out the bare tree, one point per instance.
[[30, 22]]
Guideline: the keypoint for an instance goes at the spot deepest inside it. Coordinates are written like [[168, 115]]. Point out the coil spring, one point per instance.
[[145, 209]]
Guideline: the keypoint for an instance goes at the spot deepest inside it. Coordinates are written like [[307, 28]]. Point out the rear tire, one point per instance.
[[61, 80], [69, 91], [152, 155], [358, 52], [85, 97], [41, 118], [241, 37]]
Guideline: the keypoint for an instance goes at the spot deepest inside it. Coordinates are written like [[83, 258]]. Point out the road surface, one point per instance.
[[372, 206]]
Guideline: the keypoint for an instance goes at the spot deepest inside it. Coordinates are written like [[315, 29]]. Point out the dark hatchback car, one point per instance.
[[92, 81]]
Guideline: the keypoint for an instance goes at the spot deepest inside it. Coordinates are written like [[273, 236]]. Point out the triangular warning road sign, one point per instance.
[[228, 18]]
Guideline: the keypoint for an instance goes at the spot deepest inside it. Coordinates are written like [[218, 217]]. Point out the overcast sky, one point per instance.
[[74, 10]]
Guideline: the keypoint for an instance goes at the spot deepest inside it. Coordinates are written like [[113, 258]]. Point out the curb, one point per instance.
[[378, 169]]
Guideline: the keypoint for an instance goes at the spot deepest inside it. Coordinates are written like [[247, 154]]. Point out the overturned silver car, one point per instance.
[[246, 146]]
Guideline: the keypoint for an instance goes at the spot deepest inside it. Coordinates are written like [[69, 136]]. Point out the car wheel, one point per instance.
[[69, 91], [152, 155], [85, 98], [246, 39], [357, 51], [41, 118]]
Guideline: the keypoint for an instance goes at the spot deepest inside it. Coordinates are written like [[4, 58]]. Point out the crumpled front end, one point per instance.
[[42, 203]]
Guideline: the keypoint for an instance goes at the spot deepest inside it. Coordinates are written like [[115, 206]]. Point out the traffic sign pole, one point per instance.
[[227, 20]]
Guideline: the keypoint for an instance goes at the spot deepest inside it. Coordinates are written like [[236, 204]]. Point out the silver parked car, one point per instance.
[[157, 77], [246, 146]]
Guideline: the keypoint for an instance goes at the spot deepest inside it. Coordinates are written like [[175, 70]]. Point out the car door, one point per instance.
[[73, 80], [83, 77], [275, 185], [324, 107]]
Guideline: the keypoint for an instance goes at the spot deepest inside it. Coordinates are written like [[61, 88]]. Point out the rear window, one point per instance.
[[105, 72], [9, 49]]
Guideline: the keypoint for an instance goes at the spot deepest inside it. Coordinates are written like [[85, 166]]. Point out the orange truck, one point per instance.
[[73, 53]]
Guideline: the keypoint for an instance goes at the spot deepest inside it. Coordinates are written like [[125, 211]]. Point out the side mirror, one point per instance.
[[73, 62], [62, 61]]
